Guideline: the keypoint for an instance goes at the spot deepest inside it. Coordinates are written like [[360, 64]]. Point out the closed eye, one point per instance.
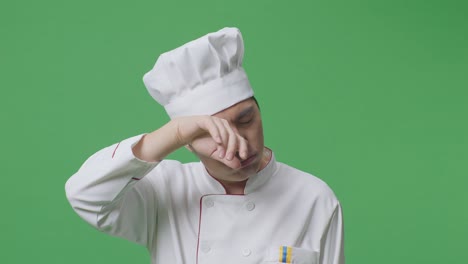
[[245, 122], [246, 116]]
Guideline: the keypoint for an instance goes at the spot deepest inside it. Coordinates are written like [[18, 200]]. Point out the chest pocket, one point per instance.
[[293, 255]]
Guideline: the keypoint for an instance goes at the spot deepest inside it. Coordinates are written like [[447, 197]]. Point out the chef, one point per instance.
[[238, 204]]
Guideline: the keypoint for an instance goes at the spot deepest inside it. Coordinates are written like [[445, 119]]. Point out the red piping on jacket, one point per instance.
[[115, 150], [199, 217]]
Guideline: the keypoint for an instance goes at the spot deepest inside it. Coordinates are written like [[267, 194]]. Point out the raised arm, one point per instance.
[[110, 191]]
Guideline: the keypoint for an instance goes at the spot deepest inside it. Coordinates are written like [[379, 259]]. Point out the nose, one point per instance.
[[240, 132], [234, 128]]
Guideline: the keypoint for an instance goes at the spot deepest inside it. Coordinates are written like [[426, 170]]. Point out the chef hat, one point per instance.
[[201, 77]]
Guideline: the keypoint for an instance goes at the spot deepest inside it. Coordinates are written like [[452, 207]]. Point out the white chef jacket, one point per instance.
[[184, 216]]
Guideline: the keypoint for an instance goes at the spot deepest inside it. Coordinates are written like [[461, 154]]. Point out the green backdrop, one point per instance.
[[370, 96]]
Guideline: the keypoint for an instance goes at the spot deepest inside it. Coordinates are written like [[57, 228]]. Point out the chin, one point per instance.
[[244, 173]]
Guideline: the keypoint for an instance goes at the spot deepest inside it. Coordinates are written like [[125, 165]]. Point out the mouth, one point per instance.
[[248, 161]]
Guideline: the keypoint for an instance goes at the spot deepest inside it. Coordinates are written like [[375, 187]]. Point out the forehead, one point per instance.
[[237, 109]]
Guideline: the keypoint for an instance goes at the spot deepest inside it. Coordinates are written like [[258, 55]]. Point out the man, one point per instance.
[[238, 205]]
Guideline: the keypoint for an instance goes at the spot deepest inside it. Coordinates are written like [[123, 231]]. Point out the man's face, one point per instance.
[[244, 117]]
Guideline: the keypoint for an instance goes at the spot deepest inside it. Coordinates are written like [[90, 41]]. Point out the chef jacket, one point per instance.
[[183, 215]]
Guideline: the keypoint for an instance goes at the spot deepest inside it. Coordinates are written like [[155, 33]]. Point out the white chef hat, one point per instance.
[[201, 77]]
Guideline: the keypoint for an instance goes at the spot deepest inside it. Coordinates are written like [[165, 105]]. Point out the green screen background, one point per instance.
[[370, 96]]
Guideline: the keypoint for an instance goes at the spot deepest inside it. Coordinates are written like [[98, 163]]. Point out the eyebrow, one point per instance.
[[245, 112]]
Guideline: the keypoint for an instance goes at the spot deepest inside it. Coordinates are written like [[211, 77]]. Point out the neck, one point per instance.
[[234, 188]]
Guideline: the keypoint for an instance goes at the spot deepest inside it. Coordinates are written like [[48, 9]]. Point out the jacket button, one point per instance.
[[250, 206], [205, 248], [246, 252], [209, 203]]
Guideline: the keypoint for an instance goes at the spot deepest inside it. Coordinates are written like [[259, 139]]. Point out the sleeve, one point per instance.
[[110, 192], [332, 242]]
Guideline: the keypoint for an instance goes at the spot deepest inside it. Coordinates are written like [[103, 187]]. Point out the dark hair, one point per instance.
[[253, 97]]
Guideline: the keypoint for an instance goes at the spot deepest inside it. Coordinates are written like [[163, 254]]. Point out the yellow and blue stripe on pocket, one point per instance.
[[292, 255], [285, 254]]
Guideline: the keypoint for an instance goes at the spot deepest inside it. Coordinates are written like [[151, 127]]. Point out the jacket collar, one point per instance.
[[254, 182], [259, 179]]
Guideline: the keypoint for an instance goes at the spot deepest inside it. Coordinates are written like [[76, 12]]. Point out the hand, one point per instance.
[[212, 137]]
